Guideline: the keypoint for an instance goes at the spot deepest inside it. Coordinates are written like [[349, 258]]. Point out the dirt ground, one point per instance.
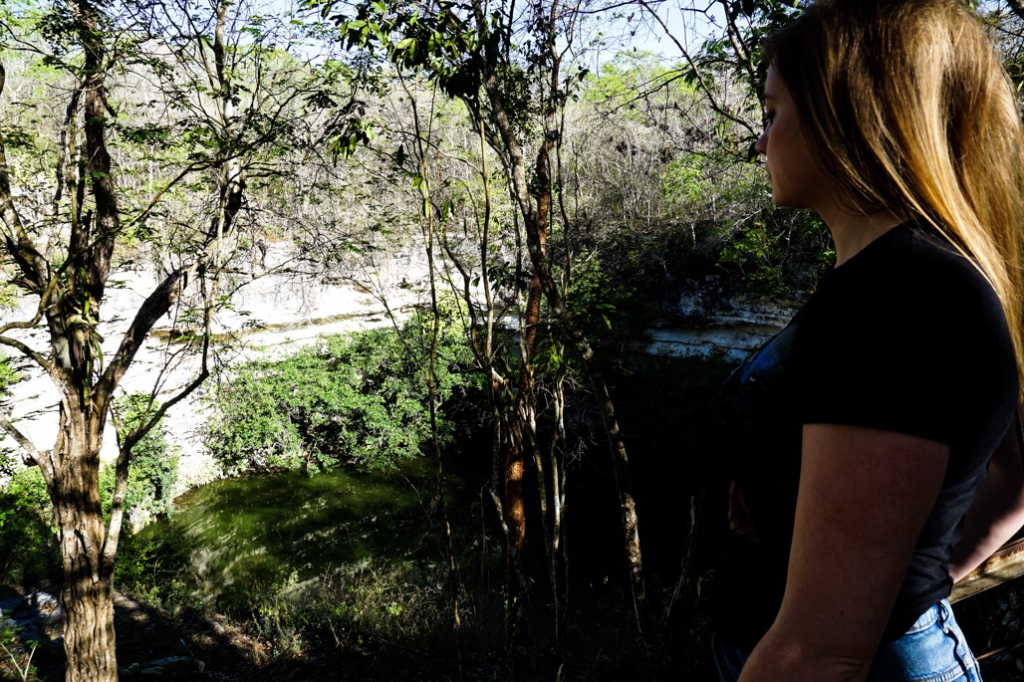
[[195, 646]]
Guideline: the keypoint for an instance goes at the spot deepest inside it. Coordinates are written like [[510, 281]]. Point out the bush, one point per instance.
[[781, 253], [154, 468], [358, 397], [8, 376], [28, 535], [16, 654]]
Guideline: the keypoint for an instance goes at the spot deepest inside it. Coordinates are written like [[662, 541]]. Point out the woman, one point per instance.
[[863, 431]]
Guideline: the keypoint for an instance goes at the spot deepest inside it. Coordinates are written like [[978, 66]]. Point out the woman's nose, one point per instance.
[[761, 146]]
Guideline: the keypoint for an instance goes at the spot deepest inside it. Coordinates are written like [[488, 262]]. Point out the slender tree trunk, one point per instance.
[[538, 253], [430, 371], [515, 519], [683, 606], [537, 247], [550, 524], [232, 180]]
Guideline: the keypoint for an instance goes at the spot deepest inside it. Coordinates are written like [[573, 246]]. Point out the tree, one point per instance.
[[227, 116], [505, 64]]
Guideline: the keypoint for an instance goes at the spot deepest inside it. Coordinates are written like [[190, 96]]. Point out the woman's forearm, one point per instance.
[[997, 512], [995, 516], [780, 657]]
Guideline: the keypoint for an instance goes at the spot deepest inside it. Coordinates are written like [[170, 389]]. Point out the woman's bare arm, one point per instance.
[[864, 497], [997, 512]]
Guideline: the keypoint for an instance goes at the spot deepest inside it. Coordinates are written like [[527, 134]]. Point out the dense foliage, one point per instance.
[[28, 537], [359, 398]]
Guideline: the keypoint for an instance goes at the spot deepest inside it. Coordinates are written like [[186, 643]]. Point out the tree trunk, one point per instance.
[[537, 247], [683, 606], [87, 599], [87, 594], [515, 508], [515, 520]]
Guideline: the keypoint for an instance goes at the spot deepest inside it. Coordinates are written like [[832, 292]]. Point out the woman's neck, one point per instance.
[[851, 232]]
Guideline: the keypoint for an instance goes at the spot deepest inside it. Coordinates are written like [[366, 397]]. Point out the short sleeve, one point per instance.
[[919, 350]]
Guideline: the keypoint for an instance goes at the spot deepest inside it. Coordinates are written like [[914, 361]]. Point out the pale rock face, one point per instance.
[[273, 314], [269, 315], [719, 325]]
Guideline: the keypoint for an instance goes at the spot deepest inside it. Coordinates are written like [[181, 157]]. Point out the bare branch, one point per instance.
[[44, 302], [34, 457], [27, 352], [191, 168], [140, 433], [158, 303], [124, 456], [705, 88], [18, 243], [742, 52], [68, 175]]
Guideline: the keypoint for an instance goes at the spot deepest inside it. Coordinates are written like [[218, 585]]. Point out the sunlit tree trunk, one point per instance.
[[70, 295], [87, 593]]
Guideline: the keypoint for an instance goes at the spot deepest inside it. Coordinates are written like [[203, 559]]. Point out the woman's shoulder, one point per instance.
[[913, 272], [898, 341]]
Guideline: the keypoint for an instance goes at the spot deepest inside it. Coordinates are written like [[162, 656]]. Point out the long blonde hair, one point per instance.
[[909, 109]]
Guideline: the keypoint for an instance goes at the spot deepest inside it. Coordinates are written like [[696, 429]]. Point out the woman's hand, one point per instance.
[[864, 497], [741, 517]]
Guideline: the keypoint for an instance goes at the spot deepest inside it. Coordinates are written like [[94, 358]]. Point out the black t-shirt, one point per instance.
[[906, 336]]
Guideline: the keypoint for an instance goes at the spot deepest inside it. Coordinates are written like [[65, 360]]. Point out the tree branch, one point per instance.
[[191, 168], [705, 88], [742, 51], [67, 169], [27, 352], [158, 303], [18, 244], [44, 301], [125, 450], [1017, 7], [34, 457], [95, 259]]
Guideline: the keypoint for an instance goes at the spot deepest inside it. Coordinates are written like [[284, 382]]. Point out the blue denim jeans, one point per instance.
[[932, 650]]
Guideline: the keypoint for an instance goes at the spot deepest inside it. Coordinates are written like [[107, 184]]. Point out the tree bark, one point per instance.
[[517, 598], [87, 593]]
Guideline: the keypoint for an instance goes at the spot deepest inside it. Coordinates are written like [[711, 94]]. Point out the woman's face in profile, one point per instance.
[[796, 177]]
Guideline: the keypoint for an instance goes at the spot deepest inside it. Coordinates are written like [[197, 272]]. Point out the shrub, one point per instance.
[[359, 398], [28, 536], [154, 467], [8, 376], [15, 654]]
